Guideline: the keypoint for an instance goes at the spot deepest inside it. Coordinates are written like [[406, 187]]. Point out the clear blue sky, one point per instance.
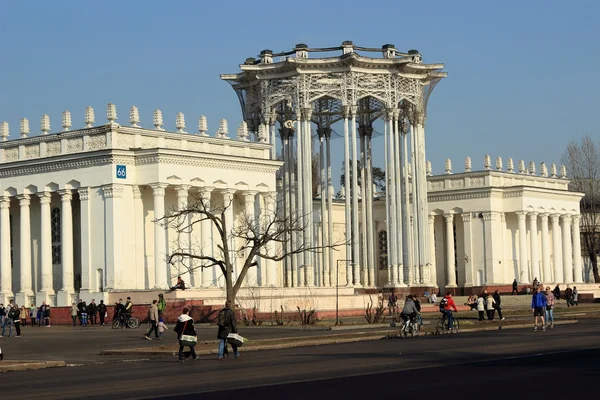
[[522, 74]]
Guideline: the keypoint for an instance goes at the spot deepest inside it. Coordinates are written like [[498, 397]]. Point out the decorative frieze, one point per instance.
[[53, 148], [11, 154], [75, 145], [32, 151], [97, 142]]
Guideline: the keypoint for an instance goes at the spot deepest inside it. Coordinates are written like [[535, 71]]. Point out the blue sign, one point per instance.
[[121, 171]]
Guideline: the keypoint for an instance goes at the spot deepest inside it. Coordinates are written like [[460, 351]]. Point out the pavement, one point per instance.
[[502, 363]]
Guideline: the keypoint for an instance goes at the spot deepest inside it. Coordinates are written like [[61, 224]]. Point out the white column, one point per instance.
[[332, 267], [46, 249], [270, 265], [25, 292], [533, 238], [208, 274], [450, 258], [407, 242], [557, 249], [5, 262], [546, 272], [300, 212], [523, 261], [228, 196], [355, 232], [370, 225], [364, 276], [85, 234], [309, 237], [66, 244], [398, 176], [567, 249], [183, 238], [432, 271], [468, 243], [577, 251], [160, 237], [348, 214], [323, 192], [249, 204], [142, 276], [113, 249]]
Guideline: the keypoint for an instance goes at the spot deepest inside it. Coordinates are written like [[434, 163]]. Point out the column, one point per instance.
[[208, 274], [389, 197], [450, 258], [407, 238], [46, 288], [309, 237], [355, 233], [567, 249], [185, 267], [5, 262], [523, 261], [270, 265], [364, 276], [332, 267], [228, 227], [348, 215], [546, 272], [466, 217], [322, 190], [160, 237], [287, 261], [557, 249], [25, 292], [398, 212], [533, 238], [66, 245], [300, 217], [369, 204], [432, 270], [113, 248], [142, 276], [577, 250], [86, 255], [249, 203]]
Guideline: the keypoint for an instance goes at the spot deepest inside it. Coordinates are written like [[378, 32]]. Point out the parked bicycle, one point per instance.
[[442, 326]]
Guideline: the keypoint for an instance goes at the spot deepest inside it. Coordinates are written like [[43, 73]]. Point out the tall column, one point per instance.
[[533, 238], [557, 249], [421, 178], [85, 234], [185, 267], [407, 242], [567, 249], [450, 256], [5, 261], [364, 276], [398, 209], [142, 277], [322, 190], [468, 243], [355, 232], [332, 268], [208, 274], [300, 212], [309, 256], [523, 261], [577, 251], [270, 265], [369, 205], [160, 237], [546, 272], [348, 214], [66, 244], [392, 170], [432, 270], [25, 292], [250, 216], [46, 288], [228, 196], [295, 261], [287, 262]]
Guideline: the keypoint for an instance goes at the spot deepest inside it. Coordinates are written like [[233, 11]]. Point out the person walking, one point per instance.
[[575, 296], [153, 320], [32, 314], [569, 296], [2, 314], [549, 308], [92, 310], [74, 312], [538, 306], [161, 327], [185, 326], [480, 307], [23, 315], [162, 305], [102, 312], [490, 306], [8, 320], [16, 313], [515, 288], [392, 303], [498, 301], [84, 314], [226, 322]]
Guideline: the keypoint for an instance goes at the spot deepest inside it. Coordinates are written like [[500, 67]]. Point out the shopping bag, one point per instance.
[[234, 338], [188, 340]]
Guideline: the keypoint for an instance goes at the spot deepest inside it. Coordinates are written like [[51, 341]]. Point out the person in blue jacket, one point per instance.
[[538, 306]]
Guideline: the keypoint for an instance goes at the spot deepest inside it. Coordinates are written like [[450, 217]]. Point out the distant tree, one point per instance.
[[582, 159], [378, 176]]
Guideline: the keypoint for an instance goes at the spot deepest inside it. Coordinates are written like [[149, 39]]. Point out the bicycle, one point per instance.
[[129, 320], [410, 326], [442, 326]]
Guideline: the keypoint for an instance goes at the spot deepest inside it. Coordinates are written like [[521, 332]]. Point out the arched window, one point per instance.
[[383, 250], [55, 233]]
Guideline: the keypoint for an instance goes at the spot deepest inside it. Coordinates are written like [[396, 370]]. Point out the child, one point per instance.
[[161, 327]]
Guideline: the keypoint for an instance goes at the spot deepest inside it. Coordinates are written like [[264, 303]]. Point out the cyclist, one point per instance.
[[410, 311], [446, 306]]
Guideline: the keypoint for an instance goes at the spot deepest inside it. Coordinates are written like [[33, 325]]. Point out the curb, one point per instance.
[[29, 365]]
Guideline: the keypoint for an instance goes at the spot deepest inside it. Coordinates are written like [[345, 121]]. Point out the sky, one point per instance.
[[521, 74]]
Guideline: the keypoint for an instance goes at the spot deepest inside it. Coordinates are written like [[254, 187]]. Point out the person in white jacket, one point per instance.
[[480, 307], [490, 306]]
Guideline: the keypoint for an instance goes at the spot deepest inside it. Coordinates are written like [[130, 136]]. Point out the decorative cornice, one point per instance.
[[512, 194], [55, 136], [458, 196], [195, 161]]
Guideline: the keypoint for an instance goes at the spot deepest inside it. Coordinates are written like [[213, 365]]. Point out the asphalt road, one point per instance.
[[492, 364]]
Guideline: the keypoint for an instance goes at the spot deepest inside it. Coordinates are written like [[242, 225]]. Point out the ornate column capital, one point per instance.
[[249, 195], [521, 215], [24, 200], [544, 215], [449, 217], [137, 192], [181, 189], [491, 215], [346, 111], [158, 189], [431, 218], [533, 215], [353, 110], [5, 202], [555, 218], [566, 218], [205, 191], [112, 191], [576, 219], [45, 197], [466, 217], [227, 194], [65, 195], [84, 193], [307, 113]]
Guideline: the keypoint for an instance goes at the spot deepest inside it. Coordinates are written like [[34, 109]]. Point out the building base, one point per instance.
[[49, 297], [64, 298], [6, 296], [24, 298]]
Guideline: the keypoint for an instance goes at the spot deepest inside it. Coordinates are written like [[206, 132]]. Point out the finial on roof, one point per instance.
[[522, 167], [242, 131], [427, 169], [180, 122], [448, 166], [563, 172], [157, 120], [531, 168], [202, 126], [45, 124], [510, 166], [111, 112], [487, 162], [4, 130], [24, 127], [223, 131], [262, 133], [543, 169], [468, 164], [89, 117], [553, 170], [499, 165], [134, 117], [66, 121], [341, 194]]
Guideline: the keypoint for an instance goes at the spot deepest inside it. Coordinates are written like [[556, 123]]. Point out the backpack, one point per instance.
[[443, 304]]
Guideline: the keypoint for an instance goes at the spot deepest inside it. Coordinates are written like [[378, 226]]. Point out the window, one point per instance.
[[55, 233], [383, 253]]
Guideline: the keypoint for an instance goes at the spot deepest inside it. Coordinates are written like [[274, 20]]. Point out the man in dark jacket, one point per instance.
[[498, 299], [538, 306], [92, 310], [185, 326], [102, 312], [515, 287], [226, 321]]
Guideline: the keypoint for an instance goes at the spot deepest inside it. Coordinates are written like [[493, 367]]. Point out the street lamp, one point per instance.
[[337, 290]]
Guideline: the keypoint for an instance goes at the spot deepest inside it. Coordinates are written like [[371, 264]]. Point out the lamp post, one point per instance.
[[337, 290]]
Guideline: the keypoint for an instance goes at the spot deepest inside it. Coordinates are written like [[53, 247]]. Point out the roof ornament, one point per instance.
[[347, 47], [448, 166], [487, 162], [522, 169], [301, 50], [543, 169], [180, 122], [388, 50], [266, 57], [134, 117], [157, 120], [4, 131], [111, 113], [24, 127], [262, 133], [499, 165], [242, 131], [563, 171], [510, 166], [427, 170], [223, 131], [89, 117], [553, 170], [202, 126], [66, 121], [468, 164], [45, 124], [531, 168]]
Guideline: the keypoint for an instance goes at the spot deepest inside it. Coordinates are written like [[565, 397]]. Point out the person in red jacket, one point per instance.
[[448, 304]]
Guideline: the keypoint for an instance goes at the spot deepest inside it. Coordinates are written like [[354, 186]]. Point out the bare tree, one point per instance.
[[261, 236], [582, 159]]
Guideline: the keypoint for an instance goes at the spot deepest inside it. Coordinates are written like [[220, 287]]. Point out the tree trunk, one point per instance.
[[229, 288]]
